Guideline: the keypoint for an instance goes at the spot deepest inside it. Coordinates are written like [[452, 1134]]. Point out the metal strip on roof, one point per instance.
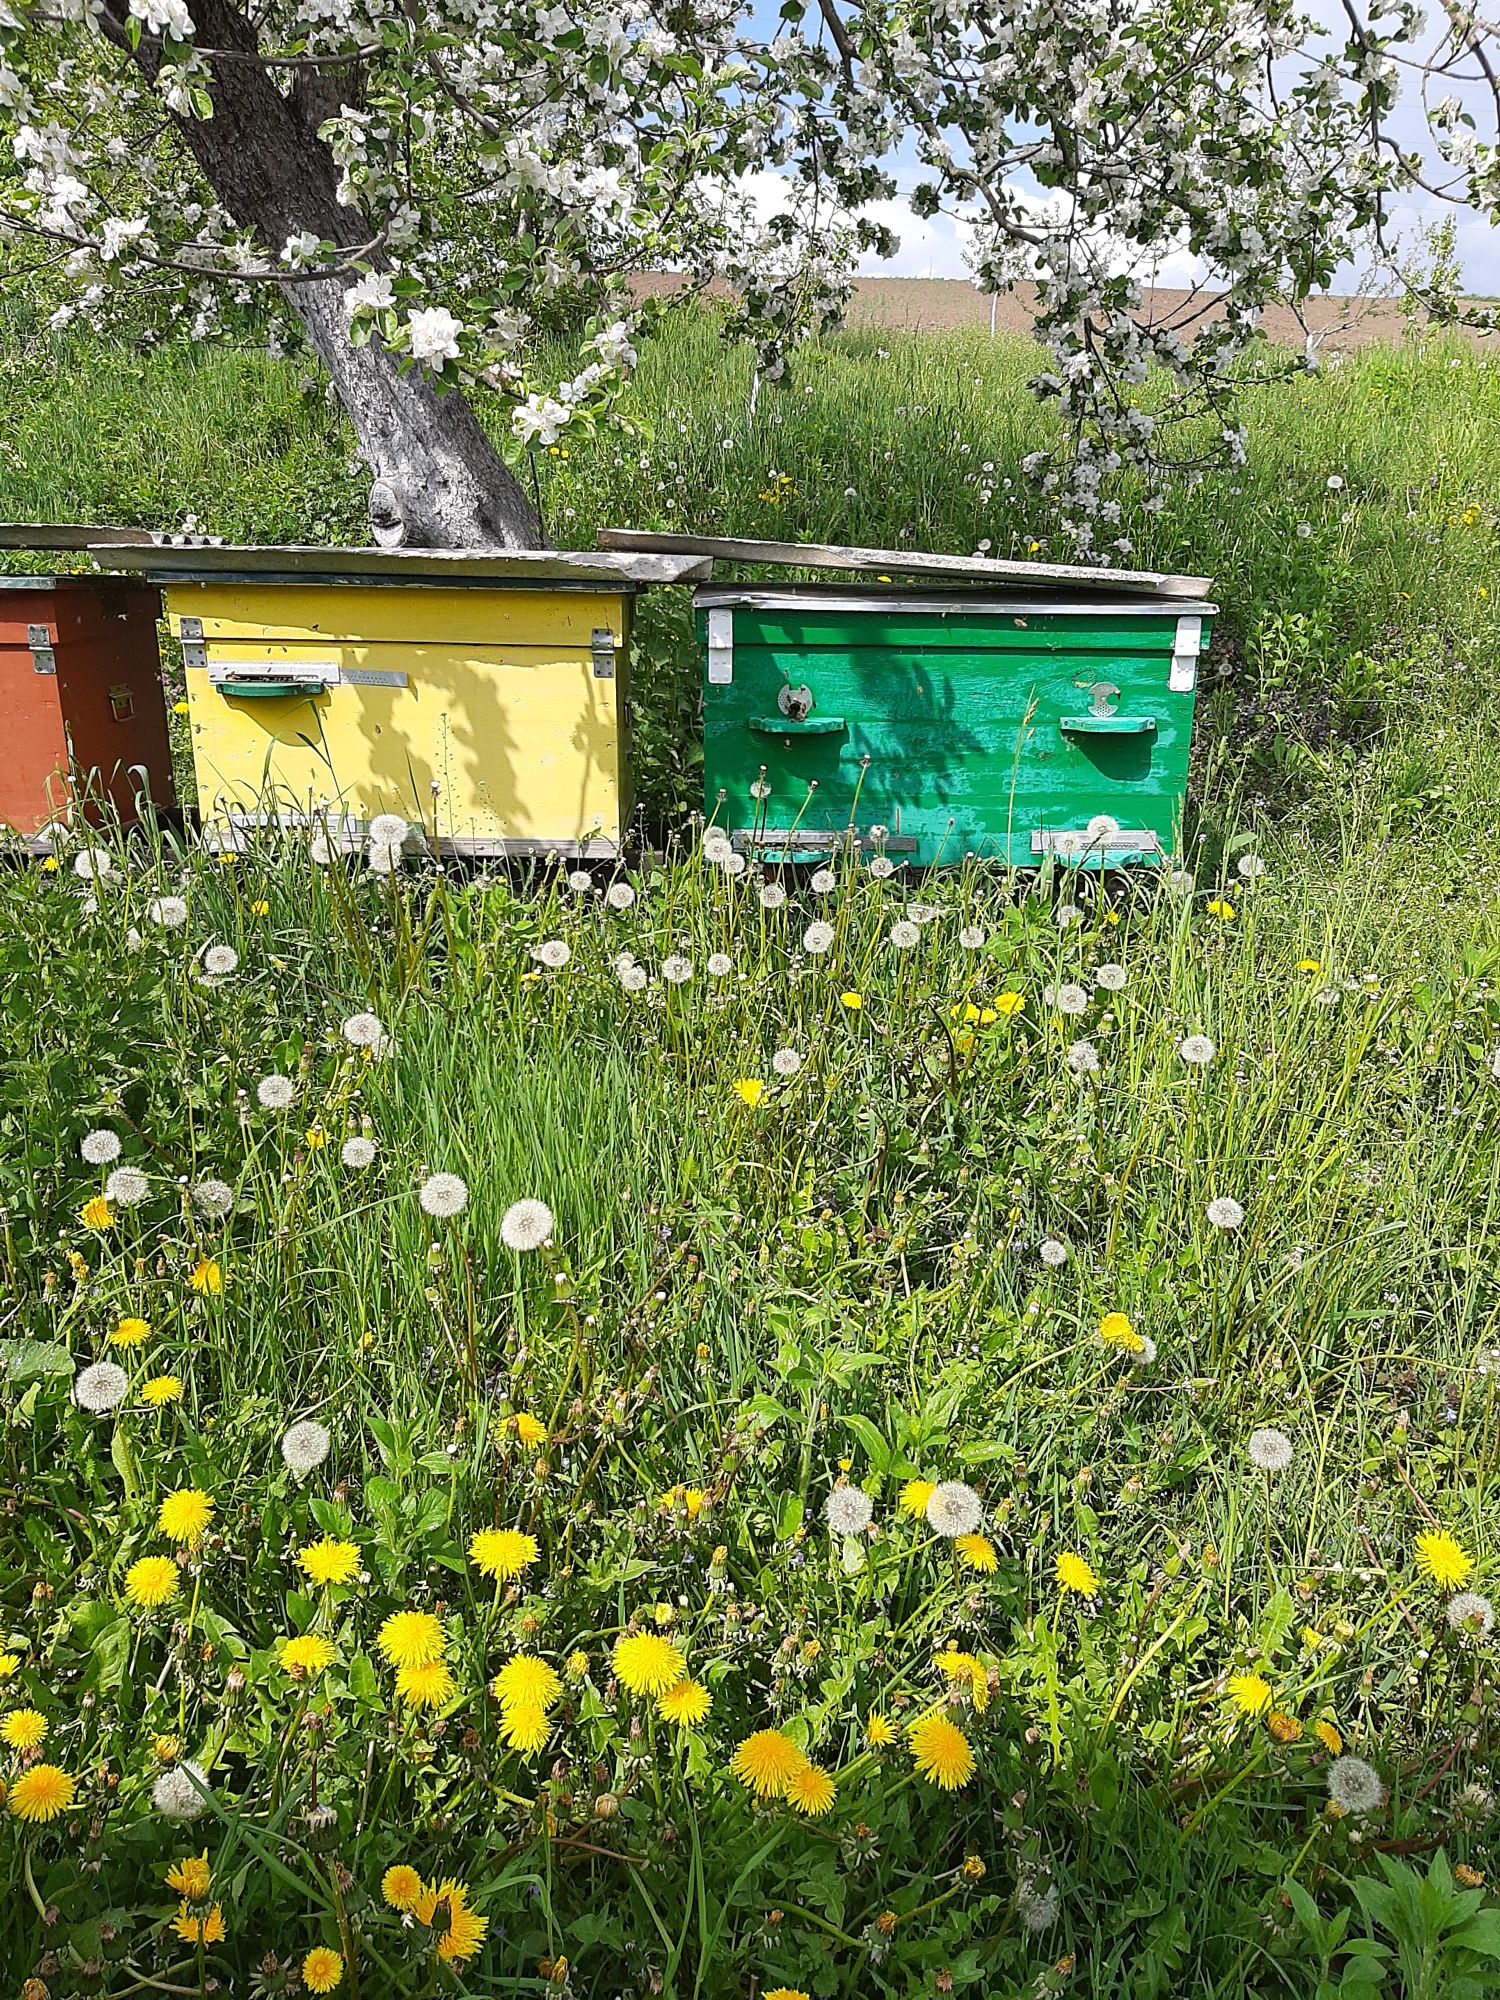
[[815, 597], [905, 562], [316, 564], [68, 535]]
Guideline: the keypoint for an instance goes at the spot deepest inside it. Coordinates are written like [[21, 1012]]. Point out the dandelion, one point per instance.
[[646, 1663], [1470, 1613], [1250, 1693], [212, 1197], [151, 1582], [23, 1728], [1110, 977], [363, 1031], [445, 1909], [941, 1752], [205, 1929], [750, 1090], [170, 912], [401, 1887], [98, 1148], [524, 1727], [307, 1655], [41, 1794], [1250, 868], [1053, 1252], [220, 960], [388, 829], [851, 1002], [358, 1152], [914, 1497], [823, 882], [130, 1333], [619, 896], [100, 1387], [720, 965], [128, 1186], [1225, 1213], [954, 1509], [879, 1733], [786, 1062], [1354, 1786], [526, 1225], [322, 1969], [972, 937], [1067, 915], [96, 1214], [849, 1510], [1221, 909], [183, 1517], [1328, 1735], [811, 1791], [977, 1552], [882, 868], [1270, 1450], [529, 1429], [161, 1390], [502, 1553], [304, 1447], [192, 1878], [685, 1704], [410, 1639], [766, 1762], [1036, 1906], [1196, 1049], [424, 1683], [1116, 1331], [276, 1092], [93, 865], [554, 953], [178, 1792], [787, 1993], [1442, 1559], [1284, 1728], [633, 978], [1083, 1059], [1072, 1573], [328, 1561], [442, 1196], [904, 935], [676, 970], [1071, 1000], [772, 896]]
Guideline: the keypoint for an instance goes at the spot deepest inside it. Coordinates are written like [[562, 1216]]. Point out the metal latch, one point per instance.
[[194, 652], [1102, 843], [43, 658], [795, 703], [602, 645], [721, 646], [121, 703], [253, 674], [1186, 647]]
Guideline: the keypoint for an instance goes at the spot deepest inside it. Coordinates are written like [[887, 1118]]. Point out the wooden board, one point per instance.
[[908, 562], [67, 535], [165, 561]]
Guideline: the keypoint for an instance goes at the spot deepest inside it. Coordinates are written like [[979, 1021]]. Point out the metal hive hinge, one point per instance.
[[43, 658], [602, 645], [194, 652], [1186, 647]]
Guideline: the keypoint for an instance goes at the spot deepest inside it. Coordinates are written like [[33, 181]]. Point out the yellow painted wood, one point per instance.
[[501, 734]]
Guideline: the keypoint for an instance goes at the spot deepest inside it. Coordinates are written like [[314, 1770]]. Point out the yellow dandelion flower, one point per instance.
[[786, 1993], [576, 1666], [161, 1390], [444, 1907], [646, 1663], [941, 1752], [24, 1728], [1115, 1330], [424, 1683], [851, 1002], [977, 1552], [411, 1639], [329, 1561], [766, 1762], [184, 1516], [693, 1498], [1221, 909], [193, 1929], [1007, 1004], [957, 1666], [402, 1888], [96, 1214], [131, 1333], [315, 1138], [1251, 1694], [502, 1553], [915, 1495], [51, 865], [749, 1090], [260, 907], [686, 1704], [878, 1732], [191, 1878], [811, 1791], [1328, 1735], [166, 1749], [1073, 1573], [151, 1582], [41, 1794], [322, 1969], [530, 1430], [1309, 965], [526, 1682], [1283, 1727], [524, 1726], [207, 1277], [307, 1655], [8, 1664], [1443, 1559]]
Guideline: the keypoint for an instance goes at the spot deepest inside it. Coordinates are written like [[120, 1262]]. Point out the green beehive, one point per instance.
[[1053, 720]]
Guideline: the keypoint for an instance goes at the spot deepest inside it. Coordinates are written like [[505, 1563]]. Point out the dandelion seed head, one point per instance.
[[170, 912], [1354, 1786], [786, 1062], [733, 864], [1470, 1613], [677, 970], [823, 882], [305, 1447], [580, 881], [358, 1152], [443, 1195], [619, 895], [363, 1031], [1110, 977], [320, 848], [100, 1387], [1270, 1450], [1225, 1213], [817, 938], [772, 896], [1067, 915], [382, 860], [127, 1186], [212, 1197], [720, 965], [388, 830], [633, 978], [1083, 1059], [848, 1510], [220, 960], [904, 935], [1053, 1252], [276, 1093], [175, 1795], [554, 953], [526, 1225], [1250, 867], [1037, 1903], [1179, 881], [972, 937], [1071, 999], [100, 1147], [93, 864], [954, 1509], [1196, 1049], [882, 867]]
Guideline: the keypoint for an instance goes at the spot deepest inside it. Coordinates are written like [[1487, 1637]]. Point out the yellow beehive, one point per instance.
[[482, 696]]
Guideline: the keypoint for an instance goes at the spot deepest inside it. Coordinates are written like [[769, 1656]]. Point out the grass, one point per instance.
[[746, 1305]]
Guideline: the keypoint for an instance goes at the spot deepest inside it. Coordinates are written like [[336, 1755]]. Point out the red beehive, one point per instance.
[[82, 716]]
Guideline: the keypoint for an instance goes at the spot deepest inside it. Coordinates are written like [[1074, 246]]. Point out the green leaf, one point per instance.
[[876, 1449], [789, 1518], [34, 1360], [1481, 1934]]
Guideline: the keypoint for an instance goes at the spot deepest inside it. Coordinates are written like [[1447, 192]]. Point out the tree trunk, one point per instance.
[[438, 482]]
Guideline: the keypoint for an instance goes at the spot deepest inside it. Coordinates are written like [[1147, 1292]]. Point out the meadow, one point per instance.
[[669, 1431]]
